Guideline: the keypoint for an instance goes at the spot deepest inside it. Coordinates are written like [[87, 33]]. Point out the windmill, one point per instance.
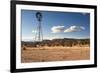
[[39, 33]]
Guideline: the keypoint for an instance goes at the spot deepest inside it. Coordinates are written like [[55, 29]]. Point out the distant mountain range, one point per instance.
[[58, 42]]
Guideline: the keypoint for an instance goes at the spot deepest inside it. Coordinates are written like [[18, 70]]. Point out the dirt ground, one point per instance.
[[46, 54]]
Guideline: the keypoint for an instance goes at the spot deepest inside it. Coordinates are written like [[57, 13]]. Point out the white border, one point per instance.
[[20, 65]]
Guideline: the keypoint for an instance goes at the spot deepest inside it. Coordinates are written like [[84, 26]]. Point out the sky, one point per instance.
[[55, 25]]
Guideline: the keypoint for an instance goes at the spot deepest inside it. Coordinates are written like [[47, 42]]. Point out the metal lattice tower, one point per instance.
[[39, 34]]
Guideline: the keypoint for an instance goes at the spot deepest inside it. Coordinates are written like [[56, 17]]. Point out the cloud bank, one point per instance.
[[58, 29], [74, 29]]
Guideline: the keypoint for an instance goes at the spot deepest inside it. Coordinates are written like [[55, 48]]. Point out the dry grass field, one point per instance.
[[45, 54]]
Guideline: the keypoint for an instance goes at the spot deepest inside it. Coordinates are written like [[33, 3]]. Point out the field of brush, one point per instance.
[[58, 53]]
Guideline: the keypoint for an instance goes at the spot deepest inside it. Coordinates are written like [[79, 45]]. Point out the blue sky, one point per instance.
[[55, 25]]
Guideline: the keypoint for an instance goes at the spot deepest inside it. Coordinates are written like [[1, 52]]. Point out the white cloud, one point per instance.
[[84, 13], [34, 31], [74, 29], [28, 38], [53, 37], [57, 29]]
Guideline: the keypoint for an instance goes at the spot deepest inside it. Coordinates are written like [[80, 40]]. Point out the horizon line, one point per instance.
[[53, 39]]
